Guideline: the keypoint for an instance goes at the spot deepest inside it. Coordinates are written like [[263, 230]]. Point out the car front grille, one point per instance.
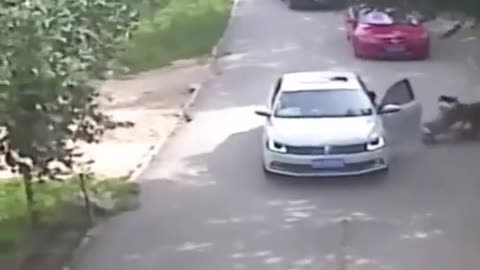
[[322, 150], [307, 169]]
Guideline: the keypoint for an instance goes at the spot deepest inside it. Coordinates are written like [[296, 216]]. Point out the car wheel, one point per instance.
[[426, 56], [356, 53]]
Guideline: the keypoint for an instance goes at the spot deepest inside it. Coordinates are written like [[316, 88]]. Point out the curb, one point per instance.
[[148, 157], [82, 244], [214, 52], [185, 115], [155, 149], [140, 168]]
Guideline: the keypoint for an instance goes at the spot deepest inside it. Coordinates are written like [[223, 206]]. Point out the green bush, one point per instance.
[[50, 198], [171, 30]]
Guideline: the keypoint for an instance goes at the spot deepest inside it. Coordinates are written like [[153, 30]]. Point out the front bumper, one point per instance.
[[301, 165]]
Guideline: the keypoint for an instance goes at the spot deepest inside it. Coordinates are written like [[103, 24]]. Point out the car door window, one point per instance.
[[399, 93], [278, 85], [403, 128]]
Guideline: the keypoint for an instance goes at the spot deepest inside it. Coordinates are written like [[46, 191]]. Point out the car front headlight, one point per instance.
[[375, 143], [276, 146]]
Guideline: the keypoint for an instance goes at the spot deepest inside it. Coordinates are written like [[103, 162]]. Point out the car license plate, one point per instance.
[[396, 49], [328, 163]]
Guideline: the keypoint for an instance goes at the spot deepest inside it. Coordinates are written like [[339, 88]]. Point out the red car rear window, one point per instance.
[[380, 17]]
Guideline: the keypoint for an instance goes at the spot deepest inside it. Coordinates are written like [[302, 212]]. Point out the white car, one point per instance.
[[325, 123]]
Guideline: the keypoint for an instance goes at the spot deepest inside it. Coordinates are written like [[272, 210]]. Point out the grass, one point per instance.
[[50, 198], [175, 29]]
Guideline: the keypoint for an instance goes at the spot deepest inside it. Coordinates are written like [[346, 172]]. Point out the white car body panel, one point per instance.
[[321, 131], [337, 132]]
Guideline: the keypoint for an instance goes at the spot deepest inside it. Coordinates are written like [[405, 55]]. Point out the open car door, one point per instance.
[[403, 127]]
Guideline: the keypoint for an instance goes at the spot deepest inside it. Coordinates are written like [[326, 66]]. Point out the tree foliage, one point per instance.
[[50, 51]]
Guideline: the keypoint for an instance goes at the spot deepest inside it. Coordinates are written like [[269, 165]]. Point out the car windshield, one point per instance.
[[323, 103], [385, 17]]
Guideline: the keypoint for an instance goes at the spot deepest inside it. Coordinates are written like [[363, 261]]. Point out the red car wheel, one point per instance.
[[356, 52], [427, 51], [425, 54]]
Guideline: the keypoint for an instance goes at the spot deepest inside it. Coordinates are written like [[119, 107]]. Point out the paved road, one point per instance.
[[207, 204]]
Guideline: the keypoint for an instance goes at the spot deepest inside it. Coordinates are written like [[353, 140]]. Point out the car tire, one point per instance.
[[356, 53], [427, 53], [426, 56]]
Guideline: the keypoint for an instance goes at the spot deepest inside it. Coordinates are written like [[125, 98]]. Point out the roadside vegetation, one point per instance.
[[50, 52], [54, 204], [175, 29]]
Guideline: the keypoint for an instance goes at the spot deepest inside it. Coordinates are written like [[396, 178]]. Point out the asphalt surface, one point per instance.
[[208, 205]]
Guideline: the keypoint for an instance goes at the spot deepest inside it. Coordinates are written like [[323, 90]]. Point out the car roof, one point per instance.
[[319, 80]]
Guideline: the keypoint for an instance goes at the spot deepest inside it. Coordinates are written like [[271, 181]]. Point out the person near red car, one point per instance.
[[386, 34]]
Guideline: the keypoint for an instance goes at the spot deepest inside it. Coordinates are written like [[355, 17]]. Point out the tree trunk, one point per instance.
[[86, 197], [30, 199]]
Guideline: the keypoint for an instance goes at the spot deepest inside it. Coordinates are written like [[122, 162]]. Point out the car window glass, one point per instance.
[[323, 103], [275, 91], [385, 17], [376, 17], [399, 94]]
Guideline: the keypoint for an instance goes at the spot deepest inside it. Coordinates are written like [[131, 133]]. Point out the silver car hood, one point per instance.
[[321, 131]]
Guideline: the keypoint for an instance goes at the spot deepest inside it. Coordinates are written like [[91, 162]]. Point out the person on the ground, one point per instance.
[[453, 113]]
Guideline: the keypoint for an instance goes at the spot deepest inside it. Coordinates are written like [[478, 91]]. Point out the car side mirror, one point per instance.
[[389, 108], [263, 112]]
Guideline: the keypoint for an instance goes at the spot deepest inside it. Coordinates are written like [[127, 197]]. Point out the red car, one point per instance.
[[386, 34]]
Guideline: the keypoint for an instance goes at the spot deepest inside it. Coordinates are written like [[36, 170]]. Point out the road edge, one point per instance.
[[185, 114], [154, 150], [142, 166], [215, 50]]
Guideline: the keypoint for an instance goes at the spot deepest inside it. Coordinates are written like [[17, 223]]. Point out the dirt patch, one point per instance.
[[153, 101]]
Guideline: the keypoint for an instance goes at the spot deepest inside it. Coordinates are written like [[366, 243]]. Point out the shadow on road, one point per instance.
[[237, 162]]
